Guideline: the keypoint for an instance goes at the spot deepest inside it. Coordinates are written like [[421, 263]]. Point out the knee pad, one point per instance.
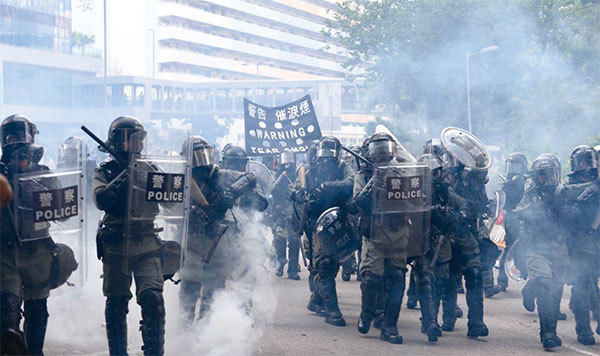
[[473, 277], [326, 267], [395, 275], [10, 311], [117, 307], [425, 279], [371, 280], [37, 308], [152, 300]]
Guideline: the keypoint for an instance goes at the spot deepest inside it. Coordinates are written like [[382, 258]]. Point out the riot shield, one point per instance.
[[334, 235], [264, 177], [510, 266], [158, 202], [466, 148], [401, 208], [52, 204]]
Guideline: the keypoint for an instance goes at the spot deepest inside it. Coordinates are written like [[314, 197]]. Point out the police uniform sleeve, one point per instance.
[[108, 195]]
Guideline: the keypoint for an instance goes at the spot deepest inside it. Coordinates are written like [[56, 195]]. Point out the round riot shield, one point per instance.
[[466, 148], [510, 266], [401, 207], [263, 176], [334, 235], [52, 204]]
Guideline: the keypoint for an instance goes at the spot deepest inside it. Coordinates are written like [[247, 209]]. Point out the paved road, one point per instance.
[[284, 326], [513, 330]]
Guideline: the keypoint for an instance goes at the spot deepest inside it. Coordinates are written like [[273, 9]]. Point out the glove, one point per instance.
[[228, 199], [114, 193]]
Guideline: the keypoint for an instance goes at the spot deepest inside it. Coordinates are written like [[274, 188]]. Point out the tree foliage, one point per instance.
[[539, 92], [81, 41]]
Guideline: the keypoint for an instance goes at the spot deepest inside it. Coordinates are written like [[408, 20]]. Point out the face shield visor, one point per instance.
[[584, 160], [235, 163], [287, 158], [128, 140], [328, 149], [17, 132], [203, 156], [545, 176], [515, 167], [382, 151]]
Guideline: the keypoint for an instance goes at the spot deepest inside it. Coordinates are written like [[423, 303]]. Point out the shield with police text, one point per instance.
[[52, 204], [157, 206], [264, 178], [334, 236], [401, 208]]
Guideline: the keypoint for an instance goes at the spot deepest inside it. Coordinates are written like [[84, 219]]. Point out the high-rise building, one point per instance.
[[37, 69], [41, 24], [245, 40]]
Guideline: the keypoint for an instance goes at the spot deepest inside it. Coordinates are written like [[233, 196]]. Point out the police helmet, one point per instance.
[[126, 134], [329, 147], [380, 148], [583, 159], [545, 172], [17, 129], [235, 158], [516, 163], [203, 153]]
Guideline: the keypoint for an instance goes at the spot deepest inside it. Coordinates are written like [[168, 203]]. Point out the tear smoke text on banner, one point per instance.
[[273, 130]]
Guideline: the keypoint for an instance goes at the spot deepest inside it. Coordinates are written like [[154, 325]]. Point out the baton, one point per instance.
[[357, 155]]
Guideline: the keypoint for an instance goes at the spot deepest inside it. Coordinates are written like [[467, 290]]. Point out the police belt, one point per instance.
[[115, 232]]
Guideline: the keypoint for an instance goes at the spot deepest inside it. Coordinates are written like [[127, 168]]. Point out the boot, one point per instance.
[[584, 332], [379, 306], [449, 306], [369, 287], [152, 324], [12, 341], [474, 296], [328, 292], [280, 246], [395, 282], [115, 315], [36, 320], [412, 293], [293, 256], [528, 293], [502, 281], [489, 288], [429, 323], [548, 303], [580, 306]]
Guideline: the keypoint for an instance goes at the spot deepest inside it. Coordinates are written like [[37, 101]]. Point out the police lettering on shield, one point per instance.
[[404, 188], [55, 204], [165, 187]]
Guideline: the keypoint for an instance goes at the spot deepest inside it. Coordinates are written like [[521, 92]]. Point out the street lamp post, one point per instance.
[[467, 59]]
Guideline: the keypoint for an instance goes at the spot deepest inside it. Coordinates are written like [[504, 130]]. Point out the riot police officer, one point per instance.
[[285, 236], [31, 281], [547, 258], [514, 188], [328, 183], [466, 162], [213, 231], [384, 260], [579, 202], [122, 258]]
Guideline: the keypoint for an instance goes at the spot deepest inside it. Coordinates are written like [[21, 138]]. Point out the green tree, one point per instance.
[[81, 41], [540, 92]]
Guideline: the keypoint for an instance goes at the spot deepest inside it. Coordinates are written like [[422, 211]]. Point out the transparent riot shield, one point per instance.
[[264, 178], [401, 208], [158, 201], [52, 204], [466, 148]]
